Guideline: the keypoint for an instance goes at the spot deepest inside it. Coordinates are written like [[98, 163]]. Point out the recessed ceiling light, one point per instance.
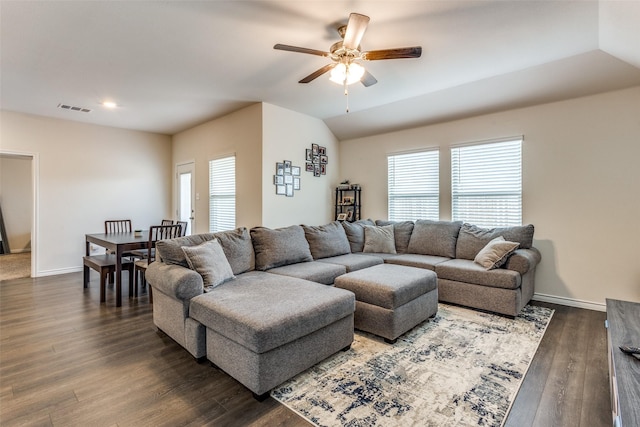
[[109, 104]]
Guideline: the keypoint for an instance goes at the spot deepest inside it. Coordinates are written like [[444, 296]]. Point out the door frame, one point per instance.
[[35, 216]]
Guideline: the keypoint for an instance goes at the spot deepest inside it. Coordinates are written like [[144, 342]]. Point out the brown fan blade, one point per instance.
[[318, 73], [403, 52], [300, 50], [368, 79], [355, 30]]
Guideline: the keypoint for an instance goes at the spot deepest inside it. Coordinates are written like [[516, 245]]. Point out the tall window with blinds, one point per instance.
[[486, 183], [413, 186], [222, 194]]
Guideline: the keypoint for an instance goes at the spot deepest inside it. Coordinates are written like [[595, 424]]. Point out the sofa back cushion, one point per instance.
[[355, 233], [435, 238], [326, 240], [473, 238], [236, 245], [280, 246], [401, 231]]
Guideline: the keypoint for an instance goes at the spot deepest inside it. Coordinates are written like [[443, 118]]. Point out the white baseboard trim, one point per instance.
[[571, 302], [58, 271]]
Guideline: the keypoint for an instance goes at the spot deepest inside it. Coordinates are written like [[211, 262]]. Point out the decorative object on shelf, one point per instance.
[[287, 178], [316, 160], [348, 202]]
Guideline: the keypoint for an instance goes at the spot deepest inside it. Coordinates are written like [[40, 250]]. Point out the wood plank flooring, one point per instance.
[[66, 360]]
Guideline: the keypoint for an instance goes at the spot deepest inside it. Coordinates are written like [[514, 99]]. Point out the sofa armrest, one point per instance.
[[174, 280], [523, 260]]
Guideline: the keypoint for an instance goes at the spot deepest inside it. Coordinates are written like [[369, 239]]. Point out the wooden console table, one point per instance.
[[623, 328]]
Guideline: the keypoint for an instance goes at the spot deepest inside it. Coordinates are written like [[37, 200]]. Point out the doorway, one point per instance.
[[186, 194], [18, 189]]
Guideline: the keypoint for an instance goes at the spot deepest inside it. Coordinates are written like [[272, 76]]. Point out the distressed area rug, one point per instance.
[[462, 368]]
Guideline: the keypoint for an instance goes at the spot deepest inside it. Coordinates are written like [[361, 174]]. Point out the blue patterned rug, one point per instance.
[[462, 368]]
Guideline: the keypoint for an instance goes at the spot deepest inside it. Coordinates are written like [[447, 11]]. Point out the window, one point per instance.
[[486, 183], [222, 194], [413, 186]]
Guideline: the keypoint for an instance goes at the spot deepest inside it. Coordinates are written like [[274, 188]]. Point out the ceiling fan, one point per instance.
[[344, 54]]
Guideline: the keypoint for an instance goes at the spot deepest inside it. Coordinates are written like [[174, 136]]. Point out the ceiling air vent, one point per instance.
[[72, 108]]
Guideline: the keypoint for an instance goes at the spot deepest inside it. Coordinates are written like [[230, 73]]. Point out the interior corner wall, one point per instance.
[[286, 136], [85, 175], [580, 186], [238, 133], [16, 198]]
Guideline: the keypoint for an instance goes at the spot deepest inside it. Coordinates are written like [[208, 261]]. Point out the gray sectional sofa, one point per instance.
[[260, 303]]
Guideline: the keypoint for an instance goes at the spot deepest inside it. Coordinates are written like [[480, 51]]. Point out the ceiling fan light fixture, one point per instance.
[[352, 72]]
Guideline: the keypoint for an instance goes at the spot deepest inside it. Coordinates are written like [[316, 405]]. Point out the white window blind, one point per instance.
[[222, 194], [413, 186], [486, 183]]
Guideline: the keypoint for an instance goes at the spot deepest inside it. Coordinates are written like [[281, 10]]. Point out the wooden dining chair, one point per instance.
[[117, 226], [156, 232], [184, 227], [167, 222]]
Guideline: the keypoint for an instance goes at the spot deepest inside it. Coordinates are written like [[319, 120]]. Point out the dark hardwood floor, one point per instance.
[[66, 360]]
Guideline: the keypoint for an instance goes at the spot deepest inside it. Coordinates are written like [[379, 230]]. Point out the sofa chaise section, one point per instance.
[[263, 328]]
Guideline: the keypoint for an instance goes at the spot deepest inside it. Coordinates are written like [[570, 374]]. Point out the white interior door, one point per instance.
[[185, 174]]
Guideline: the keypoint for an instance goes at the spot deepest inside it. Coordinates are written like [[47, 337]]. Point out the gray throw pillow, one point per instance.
[[473, 238], [434, 238], [170, 251], [327, 240], [280, 246], [495, 253], [209, 261], [355, 233], [379, 239], [402, 231]]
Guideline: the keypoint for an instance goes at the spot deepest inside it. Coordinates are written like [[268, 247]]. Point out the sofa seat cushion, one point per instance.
[[417, 260], [467, 271], [263, 311], [353, 262], [315, 271], [327, 240], [387, 285]]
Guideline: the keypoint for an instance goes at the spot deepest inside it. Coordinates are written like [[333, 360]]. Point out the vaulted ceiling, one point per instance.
[[173, 64]]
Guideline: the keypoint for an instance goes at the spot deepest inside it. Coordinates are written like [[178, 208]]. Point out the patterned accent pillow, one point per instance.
[[209, 261], [379, 239], [495, 253], [327, 240], [280, 246]]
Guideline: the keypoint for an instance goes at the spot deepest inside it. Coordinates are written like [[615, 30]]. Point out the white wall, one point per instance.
[[581, 186], [85, 175], [16, 199], [238, 133], [286, 136]]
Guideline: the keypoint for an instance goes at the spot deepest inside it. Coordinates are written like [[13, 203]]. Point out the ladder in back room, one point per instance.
[[4, 247]]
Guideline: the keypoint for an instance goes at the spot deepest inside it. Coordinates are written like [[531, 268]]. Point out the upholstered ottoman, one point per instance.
[[263, 328], [391, 299]]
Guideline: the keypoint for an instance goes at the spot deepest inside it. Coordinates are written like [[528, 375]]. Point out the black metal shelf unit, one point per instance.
[[348, 204]]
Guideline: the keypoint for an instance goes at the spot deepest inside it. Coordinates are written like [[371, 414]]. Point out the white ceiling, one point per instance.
[[173, 64]]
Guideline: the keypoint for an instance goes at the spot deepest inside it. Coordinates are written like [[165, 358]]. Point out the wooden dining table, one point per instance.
[[119, 243]]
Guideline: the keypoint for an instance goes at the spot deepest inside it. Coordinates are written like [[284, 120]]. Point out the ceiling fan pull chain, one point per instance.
[[346, 92]]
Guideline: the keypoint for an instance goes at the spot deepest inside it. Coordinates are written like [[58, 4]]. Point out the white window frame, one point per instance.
[[222, 193], [486, 182], [413, 185]]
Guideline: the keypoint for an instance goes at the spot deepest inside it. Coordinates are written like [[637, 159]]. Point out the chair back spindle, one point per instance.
[[117, 226]]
